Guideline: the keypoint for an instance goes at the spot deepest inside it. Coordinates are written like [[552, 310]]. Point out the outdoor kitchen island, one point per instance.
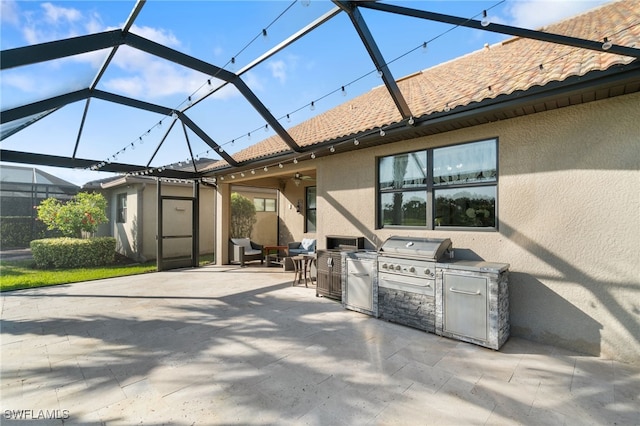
[[421, 285]]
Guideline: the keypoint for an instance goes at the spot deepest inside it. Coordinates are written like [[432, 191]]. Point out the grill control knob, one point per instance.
[[398, 267], [412, 269], [384, 266], [427, 271]]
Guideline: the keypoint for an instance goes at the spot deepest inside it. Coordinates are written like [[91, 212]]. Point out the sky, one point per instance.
[[315, 68]]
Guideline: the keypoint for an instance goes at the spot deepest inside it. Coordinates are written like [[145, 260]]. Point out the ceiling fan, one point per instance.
[[298, 177]]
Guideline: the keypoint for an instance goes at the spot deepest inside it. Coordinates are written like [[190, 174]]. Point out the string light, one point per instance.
[[424, 47], [313, 155], [332, 149], [266, 169], [607, 44], [280, 165], [295, 161], [356, 142], [411, 121], [313, 106], [344, 91], [485, 20], [382, 133]]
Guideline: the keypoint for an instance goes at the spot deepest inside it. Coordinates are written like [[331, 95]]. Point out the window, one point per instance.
[[121, 208], [310, 210], [265, 204], [450, 186]]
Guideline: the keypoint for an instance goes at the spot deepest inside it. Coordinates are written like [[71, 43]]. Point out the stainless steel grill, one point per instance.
[[407, 279]]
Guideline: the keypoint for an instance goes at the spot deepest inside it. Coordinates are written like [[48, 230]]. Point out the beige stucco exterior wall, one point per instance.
[[569, 220], [137, 237], [265, 230]]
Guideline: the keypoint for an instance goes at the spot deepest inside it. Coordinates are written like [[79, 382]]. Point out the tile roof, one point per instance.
[[503, 68]]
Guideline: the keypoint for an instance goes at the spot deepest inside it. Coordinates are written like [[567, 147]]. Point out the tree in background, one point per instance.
[[84, 212], [243, 216]]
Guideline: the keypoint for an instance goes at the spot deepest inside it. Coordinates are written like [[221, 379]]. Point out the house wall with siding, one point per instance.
[[569, 219]]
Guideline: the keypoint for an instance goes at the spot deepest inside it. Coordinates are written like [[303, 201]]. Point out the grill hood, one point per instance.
[[415, 247]]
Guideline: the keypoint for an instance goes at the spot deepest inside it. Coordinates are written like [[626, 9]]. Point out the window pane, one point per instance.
[[407, 208], [466, 207], [259, 204], [270, 205], [311, 220], [311, 197], [471, 162], [403, 171]]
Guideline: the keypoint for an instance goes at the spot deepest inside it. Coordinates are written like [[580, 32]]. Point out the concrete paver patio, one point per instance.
[[229, 345]]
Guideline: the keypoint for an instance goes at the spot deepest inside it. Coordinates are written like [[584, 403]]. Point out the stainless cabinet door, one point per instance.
[[465, 305], [360, 283]]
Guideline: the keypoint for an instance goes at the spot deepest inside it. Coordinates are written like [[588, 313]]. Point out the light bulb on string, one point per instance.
[[189, 101], [485, 19], [266, 169], [288, 118], [265, 36], [424, 47], [210, 85], [313, 106], [447, 108], [313, 155], [160, 124], [141, 141], [344, 91], [411, 121], [280, 165], [295, 161], [133, 146], [253, 172], [249, 135], [356, 142], [382, 132], [607, 44], [266, 127], [332, 149]]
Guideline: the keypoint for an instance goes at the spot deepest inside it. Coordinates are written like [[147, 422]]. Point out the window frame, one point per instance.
[[121, 207], [431, 190], [264, 205], [308, 209]]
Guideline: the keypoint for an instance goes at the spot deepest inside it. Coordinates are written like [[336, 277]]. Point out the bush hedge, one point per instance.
[[73, 252], [19, 231]]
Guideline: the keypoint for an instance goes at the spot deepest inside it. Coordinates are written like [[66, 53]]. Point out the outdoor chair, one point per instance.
[[243, 250]]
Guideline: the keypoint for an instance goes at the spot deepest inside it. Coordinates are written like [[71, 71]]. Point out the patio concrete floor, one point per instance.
[[229, 345]]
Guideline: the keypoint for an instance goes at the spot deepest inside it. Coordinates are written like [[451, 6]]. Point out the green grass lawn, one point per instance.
[[21, 274]]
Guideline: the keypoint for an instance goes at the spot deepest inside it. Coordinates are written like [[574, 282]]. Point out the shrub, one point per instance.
[[73, 252], [84, 212], [18, 231], [243, 216]]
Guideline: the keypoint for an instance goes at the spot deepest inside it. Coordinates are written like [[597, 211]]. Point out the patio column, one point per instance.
[[223, 222]]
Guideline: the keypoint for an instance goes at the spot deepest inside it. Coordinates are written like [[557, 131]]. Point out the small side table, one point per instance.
[[302, 268], [271, 253]]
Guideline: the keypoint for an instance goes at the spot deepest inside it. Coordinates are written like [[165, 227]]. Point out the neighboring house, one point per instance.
[[265, 200], [22, 189], [133, 218], [525, 152]]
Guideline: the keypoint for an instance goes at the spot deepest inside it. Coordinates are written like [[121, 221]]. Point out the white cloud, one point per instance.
[[9, 12], [56, 14], [278, 70], [534, 14]]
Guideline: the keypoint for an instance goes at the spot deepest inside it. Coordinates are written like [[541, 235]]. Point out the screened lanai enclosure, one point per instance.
[[127, 92]]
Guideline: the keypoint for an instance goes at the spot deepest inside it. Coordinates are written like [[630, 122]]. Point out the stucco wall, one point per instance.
[[265, 229], [136, 238], [569, 220]]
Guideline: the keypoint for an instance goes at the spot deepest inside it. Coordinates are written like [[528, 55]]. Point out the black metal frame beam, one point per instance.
[[42, 52], [351, 8], [503, 29], [177, 57], [81, 163]]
